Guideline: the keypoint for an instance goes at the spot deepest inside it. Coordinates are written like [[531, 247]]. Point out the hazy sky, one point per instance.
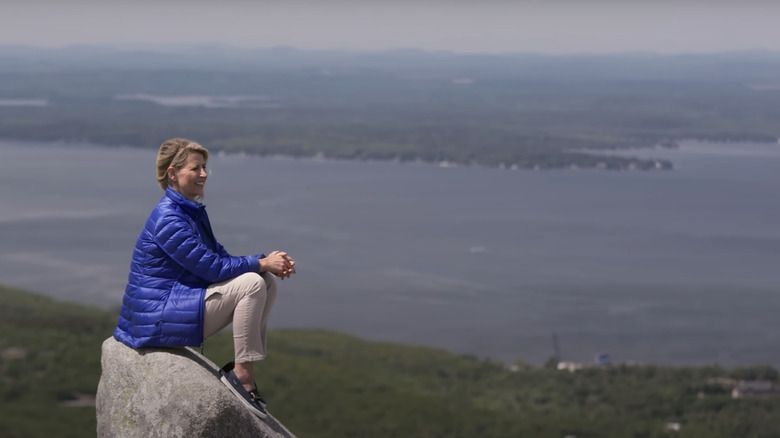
[[549, 26]]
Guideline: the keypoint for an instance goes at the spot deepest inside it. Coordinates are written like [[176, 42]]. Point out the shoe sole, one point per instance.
[[240, 397]]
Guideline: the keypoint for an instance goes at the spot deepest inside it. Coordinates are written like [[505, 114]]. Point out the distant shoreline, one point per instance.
[[606, 162], [632, 163]]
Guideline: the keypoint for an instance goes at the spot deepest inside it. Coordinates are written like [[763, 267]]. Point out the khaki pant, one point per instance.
[[246, 301]]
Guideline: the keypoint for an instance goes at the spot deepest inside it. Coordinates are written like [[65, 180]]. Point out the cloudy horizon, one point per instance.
[[554, 27]]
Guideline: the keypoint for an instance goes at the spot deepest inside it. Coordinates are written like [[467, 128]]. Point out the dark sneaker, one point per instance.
[[254, 392], [251, 399]]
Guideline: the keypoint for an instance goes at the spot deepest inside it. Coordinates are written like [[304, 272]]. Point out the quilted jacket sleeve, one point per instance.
[[222, 251], [174, 234]]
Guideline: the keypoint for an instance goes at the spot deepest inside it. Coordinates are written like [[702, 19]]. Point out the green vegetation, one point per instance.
[[49, 355], [323, 384]]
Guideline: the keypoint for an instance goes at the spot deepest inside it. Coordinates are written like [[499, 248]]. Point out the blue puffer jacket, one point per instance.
[[175, 258]]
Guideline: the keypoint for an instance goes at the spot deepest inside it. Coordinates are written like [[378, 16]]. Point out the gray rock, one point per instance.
[[170, 392]]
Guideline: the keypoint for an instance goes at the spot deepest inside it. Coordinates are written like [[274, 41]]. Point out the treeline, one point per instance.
[[323, 384], [307, 133]]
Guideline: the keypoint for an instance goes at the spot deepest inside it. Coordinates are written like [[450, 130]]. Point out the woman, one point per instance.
[[183, 286]]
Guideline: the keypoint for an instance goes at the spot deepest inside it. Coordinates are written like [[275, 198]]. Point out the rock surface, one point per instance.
[[170, 392]]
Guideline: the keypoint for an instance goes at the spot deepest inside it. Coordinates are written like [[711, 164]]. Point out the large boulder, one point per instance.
[[170, 392]]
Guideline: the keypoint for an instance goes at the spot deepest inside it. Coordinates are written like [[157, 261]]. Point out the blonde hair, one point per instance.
[[173, 153]]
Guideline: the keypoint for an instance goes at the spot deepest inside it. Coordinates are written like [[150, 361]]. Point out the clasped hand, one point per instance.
[[279, 264]]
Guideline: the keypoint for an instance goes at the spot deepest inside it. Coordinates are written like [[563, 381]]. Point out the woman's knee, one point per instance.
[[253, 282], [270, 281]]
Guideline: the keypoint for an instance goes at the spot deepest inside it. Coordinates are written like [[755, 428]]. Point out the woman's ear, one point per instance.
[[171, 174]]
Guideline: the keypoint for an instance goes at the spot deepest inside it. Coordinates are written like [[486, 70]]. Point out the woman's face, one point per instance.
[[190, 179]]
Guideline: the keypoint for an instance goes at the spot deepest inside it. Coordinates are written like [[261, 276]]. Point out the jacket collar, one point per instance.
[[194, 209]]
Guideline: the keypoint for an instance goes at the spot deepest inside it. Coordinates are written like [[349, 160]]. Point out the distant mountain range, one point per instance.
[[727, 66]]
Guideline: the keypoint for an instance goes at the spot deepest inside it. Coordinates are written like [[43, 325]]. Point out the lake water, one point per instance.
[[205, 101], [24, 102], [674, 267]]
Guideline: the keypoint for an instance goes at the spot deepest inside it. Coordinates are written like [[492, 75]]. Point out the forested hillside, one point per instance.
[[324, 384]]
